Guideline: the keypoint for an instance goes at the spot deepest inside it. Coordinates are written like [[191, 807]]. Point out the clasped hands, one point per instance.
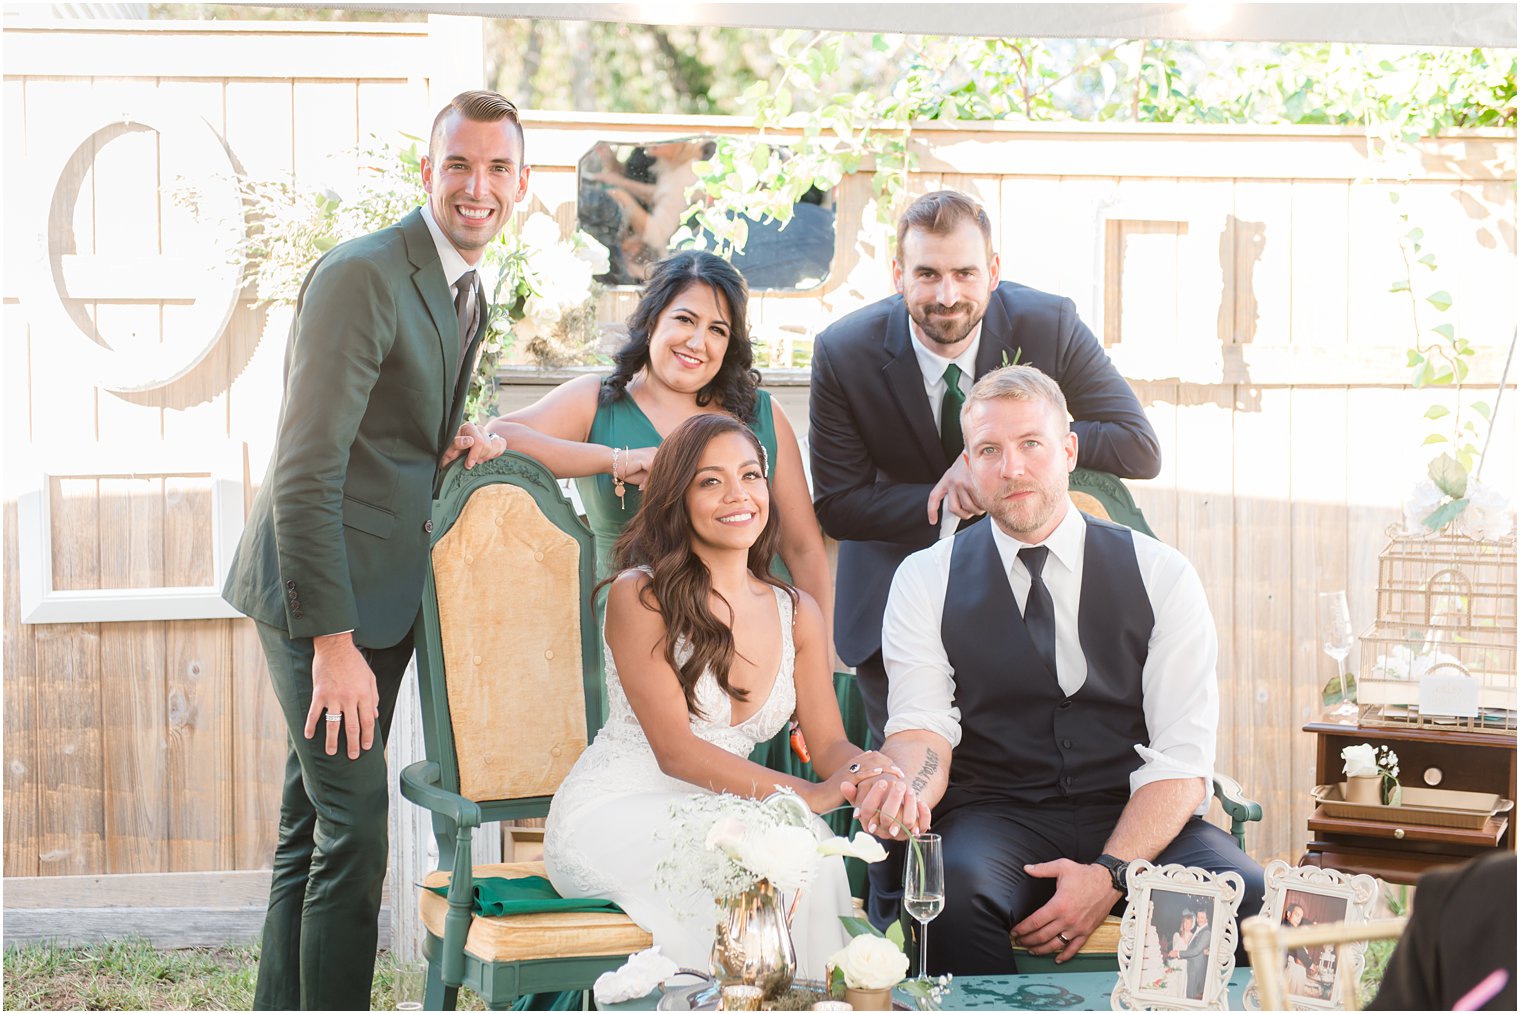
[[885, 803]]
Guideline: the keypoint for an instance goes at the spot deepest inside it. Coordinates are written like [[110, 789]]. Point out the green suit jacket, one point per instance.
[[337, 537]]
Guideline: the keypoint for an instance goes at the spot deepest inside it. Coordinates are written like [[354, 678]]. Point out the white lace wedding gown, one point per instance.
[[604, 838]]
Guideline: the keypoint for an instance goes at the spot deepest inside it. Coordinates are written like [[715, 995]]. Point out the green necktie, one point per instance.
[[950, 415]]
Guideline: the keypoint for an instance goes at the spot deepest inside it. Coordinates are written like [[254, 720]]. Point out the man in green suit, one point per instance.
[[331, 563]]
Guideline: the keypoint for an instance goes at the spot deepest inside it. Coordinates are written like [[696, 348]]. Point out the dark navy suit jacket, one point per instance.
[[876, 454]]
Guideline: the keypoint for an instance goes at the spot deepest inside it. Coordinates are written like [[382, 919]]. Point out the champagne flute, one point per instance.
[[1335, 639], [924, 891]]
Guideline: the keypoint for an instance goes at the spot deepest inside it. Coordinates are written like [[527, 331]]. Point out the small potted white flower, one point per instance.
[[1372, 775], [867, 968]]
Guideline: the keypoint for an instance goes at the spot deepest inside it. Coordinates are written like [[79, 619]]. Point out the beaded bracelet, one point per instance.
[[618, 488]]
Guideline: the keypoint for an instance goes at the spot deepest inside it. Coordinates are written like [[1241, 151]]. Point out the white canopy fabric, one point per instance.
[[1422, 24]]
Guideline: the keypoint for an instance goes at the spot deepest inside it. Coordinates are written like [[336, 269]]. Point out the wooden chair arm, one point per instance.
[[419, 783], [1240, 808]]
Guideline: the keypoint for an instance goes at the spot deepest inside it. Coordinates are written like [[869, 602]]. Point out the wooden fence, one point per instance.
[[1240, 278]]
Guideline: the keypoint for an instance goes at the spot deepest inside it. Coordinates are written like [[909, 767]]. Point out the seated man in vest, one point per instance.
[[1052, 694]]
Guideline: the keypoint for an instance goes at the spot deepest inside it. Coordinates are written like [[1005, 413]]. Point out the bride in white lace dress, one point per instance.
[[707, 655]]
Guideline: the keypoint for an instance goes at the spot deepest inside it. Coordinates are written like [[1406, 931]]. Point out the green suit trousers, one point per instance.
[[329, 863]]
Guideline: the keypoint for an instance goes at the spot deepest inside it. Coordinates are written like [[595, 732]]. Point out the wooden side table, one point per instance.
[[1467, 761]]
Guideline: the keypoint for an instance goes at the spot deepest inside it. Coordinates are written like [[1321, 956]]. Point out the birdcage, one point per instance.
[[1446, 605]]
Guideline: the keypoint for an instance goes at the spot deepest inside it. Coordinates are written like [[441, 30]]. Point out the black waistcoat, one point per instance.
[[1022, 738]]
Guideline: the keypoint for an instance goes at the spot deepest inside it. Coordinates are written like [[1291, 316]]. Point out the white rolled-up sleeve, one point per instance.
[[1180, 681], [920, 681]]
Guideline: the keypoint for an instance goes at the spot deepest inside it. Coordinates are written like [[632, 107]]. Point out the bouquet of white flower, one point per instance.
[[728, 843]]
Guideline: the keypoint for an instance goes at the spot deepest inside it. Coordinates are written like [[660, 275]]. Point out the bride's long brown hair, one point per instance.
[[659, 537]]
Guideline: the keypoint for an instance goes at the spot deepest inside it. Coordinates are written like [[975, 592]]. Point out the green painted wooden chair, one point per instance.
[[509, 665], [1105, 496]]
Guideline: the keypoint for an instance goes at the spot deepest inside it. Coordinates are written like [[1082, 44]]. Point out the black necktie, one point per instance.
[[1039, 613], [950, 415]]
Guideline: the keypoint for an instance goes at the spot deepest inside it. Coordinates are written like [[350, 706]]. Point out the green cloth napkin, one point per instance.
[[525, 895]]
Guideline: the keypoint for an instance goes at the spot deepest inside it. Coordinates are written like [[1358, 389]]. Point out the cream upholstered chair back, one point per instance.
[[509, 591]]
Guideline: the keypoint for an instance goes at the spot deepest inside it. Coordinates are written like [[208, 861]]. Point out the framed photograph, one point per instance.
[[1177, 939], [1316, 978]]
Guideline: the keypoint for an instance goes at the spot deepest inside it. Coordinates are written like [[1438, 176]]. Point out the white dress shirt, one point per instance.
[[932, 364], [454, 265], [1179, 686]]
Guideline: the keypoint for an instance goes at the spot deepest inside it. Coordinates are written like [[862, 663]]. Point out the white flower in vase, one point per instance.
[[871, 962], [1360, 761]]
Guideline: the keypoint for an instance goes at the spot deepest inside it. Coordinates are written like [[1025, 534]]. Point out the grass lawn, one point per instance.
[[132, 975]]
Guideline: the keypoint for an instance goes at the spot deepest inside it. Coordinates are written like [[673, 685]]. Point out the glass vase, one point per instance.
[[753, 944]]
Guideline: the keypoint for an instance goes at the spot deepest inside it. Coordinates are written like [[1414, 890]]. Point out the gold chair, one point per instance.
[[1268, 942]]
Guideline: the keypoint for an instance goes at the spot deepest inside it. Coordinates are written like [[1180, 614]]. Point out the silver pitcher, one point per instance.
[[753, 944]]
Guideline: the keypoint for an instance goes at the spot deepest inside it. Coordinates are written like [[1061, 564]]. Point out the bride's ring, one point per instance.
[[1064, 938], [854, 768]]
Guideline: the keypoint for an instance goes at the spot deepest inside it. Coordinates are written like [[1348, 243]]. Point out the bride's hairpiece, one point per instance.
[[765, 462]]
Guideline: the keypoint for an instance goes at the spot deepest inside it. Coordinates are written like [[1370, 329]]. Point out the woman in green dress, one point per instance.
[[688, 352]]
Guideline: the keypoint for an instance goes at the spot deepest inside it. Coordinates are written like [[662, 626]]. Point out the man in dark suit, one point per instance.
[[332, 559], [888, 477], [1196, 955]]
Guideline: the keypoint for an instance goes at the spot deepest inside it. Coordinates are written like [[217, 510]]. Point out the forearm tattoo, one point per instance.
[[931, 765]]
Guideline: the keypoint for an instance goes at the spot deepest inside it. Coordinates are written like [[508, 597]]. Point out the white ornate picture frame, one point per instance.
[[1319, 980], [1165, 961]]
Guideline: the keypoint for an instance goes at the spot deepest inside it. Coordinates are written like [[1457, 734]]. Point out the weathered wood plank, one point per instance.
[[70, 771], [1205, 535], [1263, 259], [1318, 460], [1142, 259], [1261, 689], [1318, 262], [132, 681], [200, 745], [229, 888], [259, 745], [22, 831], [1157, 498], [1032, 212], [162, 927]]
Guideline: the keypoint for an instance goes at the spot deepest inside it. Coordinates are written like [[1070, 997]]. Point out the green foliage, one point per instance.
[[1439, 358], [1397, 95]]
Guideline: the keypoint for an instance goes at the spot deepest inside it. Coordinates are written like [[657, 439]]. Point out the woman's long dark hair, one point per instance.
[[659, 537], [736, 383]]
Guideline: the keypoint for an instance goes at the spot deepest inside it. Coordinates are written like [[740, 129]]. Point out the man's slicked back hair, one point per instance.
[[482, 107], [941, 213]]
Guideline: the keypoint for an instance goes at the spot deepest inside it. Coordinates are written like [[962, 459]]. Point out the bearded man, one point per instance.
[[1053, 694], [884, 434]]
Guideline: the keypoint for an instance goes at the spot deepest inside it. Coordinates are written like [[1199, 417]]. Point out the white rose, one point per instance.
[[1419, 504], [1487, 515], [863, 847], [1360, 761], [540, 230], [871, 962], [726, 835], [594, 254], [786, 856]]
